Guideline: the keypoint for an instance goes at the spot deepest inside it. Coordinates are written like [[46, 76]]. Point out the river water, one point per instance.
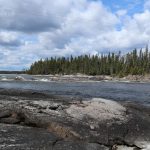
[[139, 92]]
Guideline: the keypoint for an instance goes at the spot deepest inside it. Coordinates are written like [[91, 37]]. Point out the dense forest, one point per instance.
[[115, 64]]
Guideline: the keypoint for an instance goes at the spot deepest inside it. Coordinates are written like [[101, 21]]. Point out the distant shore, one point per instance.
[[12, 72], [72, 78], [81, 77]]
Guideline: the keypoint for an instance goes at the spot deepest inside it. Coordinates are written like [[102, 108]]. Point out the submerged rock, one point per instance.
[[20, 78]]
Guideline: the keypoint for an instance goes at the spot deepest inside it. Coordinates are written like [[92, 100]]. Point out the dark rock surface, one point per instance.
[[16, 137], [30, 120]]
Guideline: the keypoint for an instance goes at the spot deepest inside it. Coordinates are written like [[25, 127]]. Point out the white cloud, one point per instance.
[[81, 27], [38, 29], [9, 39], [32, 16], [121, 12]]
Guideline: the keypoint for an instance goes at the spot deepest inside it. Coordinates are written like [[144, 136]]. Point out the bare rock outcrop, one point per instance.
[[49, 122]]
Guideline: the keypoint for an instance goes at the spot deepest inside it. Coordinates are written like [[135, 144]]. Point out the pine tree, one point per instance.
[[111, 64]]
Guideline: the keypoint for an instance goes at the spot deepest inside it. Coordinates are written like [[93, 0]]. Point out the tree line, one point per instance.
[[114, 64]]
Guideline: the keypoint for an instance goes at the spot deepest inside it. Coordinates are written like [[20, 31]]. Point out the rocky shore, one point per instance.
[[81, 77], [74, 78], [31, 120]]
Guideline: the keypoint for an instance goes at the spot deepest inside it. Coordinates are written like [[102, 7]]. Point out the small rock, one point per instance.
[[123, 147], [19, 78], [144, 145], [92, 127], [53, 107]]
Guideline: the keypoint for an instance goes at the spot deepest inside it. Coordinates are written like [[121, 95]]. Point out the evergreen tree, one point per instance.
[[135, 63]]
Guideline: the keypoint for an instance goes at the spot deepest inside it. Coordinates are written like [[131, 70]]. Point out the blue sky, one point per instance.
[[30, 30], [132, 6]]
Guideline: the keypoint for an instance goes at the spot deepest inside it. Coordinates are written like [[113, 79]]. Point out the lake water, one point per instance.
[[110, 90]]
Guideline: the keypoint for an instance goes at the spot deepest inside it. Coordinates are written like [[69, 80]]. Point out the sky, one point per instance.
[[34, 29]]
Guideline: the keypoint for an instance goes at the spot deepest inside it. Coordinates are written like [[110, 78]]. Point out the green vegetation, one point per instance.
[[134, 63]]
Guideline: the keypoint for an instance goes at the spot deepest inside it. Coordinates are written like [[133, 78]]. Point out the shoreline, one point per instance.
[[98, 78], [75, 78], [77, 124]]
